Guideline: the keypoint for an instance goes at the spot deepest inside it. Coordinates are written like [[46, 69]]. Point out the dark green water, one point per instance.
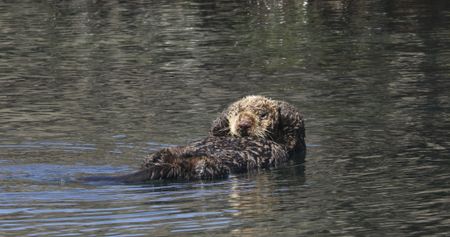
[[90, 87]]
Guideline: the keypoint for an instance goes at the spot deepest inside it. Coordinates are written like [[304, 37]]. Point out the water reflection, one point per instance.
[[92, 86]]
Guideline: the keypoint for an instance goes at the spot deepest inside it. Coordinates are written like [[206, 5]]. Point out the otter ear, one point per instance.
[[291, 131], [220, 126]]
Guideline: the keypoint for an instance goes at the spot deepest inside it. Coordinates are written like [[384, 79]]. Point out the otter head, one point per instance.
[[258, 116], [253, 116]]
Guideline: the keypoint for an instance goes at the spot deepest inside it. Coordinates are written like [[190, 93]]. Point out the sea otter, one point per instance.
[[252, 133]]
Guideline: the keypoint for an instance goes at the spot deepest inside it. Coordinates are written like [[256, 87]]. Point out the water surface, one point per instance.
[[91, 87]]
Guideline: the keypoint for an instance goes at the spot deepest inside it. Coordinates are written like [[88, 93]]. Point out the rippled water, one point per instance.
[[90, 87]]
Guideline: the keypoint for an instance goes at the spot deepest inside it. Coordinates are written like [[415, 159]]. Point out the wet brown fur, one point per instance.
[[270, 119], [252, 133]]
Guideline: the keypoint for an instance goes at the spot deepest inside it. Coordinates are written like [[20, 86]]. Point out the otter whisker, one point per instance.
[[261, 133], [269, 134]]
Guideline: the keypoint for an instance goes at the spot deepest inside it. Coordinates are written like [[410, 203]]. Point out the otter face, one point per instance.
[[253, 116]]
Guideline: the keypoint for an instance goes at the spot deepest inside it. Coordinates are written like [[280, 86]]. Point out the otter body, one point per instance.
[[211, 158], [252, 133]]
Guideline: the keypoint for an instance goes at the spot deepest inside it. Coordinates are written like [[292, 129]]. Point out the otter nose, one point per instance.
[[245, 124]]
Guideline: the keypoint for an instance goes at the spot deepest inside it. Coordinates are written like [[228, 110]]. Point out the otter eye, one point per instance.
[[263, 114]]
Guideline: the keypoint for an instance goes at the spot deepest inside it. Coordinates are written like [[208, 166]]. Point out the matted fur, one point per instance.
[[214, 157]]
